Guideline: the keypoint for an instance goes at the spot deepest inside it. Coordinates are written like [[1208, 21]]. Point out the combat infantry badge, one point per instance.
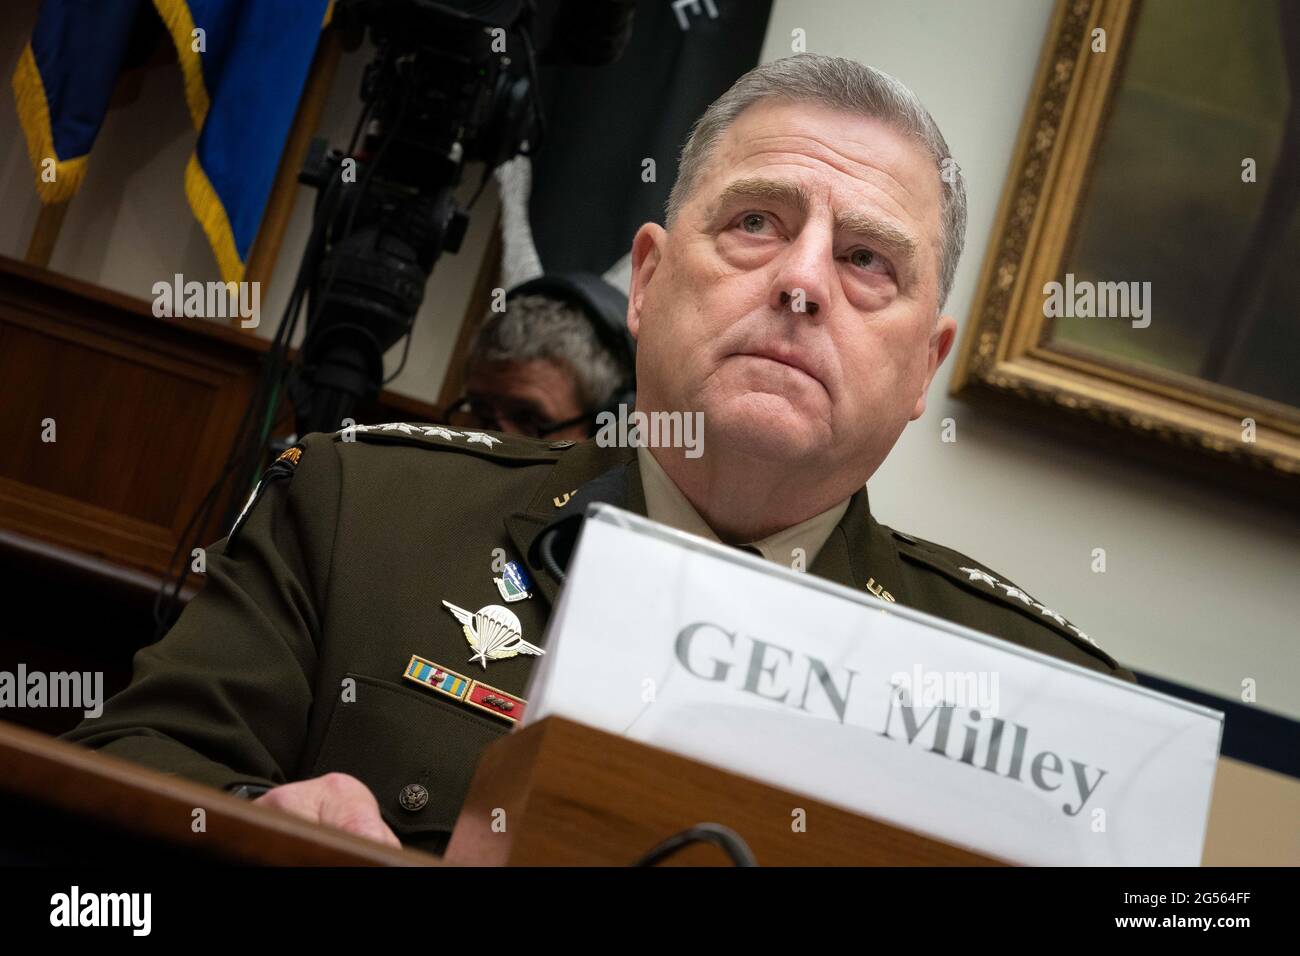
[[493, 632]]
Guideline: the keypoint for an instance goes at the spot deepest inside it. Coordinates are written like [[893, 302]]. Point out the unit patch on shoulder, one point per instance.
[[283, 467]]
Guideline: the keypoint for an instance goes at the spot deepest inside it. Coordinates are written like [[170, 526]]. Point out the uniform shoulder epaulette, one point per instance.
[[488, 444], [974, 576]]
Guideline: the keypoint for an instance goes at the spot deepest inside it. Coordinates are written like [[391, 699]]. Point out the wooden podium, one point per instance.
[[573, 796], [554, 794], [61, 803]]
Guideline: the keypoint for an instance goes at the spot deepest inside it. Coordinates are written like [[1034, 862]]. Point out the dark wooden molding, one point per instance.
[[93, 794], [146, 412]]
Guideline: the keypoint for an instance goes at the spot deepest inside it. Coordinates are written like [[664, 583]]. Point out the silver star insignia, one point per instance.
[[1016, 593], [978, 575], [1048, 612], [431, 431]]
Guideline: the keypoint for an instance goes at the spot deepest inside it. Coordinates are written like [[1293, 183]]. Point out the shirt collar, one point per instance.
[[666, 504]]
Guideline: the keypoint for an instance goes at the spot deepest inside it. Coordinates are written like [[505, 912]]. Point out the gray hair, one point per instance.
[[841, 84], [539, 327]]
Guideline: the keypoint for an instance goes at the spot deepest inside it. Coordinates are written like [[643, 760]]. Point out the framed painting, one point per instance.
[[1143, 279]]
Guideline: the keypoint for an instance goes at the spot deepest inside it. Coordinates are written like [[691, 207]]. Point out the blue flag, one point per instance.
[[244, 63], [64, 79]]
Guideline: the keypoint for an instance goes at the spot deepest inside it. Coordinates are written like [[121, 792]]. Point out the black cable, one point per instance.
[[727, 839], [164, 604], [535, 104], [390, 135], [547, 551], [406, 350], [258, 419], [539, 112], [246, 451], [274, 367], [237, 463]]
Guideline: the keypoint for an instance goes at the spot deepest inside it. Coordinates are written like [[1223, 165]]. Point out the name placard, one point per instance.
[[810, 686]]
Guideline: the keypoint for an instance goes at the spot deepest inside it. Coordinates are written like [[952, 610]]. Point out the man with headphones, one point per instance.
[[554, 359], [793, 300]]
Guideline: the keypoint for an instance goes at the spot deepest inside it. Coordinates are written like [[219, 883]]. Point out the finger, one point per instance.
[[297, 799], [362, 819]]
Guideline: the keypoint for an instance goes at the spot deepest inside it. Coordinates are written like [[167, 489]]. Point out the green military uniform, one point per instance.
[[295, 658]]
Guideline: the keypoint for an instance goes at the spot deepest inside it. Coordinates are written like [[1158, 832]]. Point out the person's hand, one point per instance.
[[335, 800]]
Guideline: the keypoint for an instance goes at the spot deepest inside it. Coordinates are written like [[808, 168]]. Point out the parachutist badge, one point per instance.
[[494, 632]]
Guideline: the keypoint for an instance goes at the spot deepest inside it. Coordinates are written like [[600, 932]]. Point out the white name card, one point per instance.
[[810, 686]]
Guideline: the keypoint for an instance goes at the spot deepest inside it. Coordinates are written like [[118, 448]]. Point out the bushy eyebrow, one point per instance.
[[779, 191], [902, 246]]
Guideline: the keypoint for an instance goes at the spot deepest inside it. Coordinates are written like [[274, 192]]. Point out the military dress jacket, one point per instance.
[[296, 657]]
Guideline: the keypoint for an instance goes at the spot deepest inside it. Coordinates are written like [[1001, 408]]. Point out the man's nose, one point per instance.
[[803, 281]]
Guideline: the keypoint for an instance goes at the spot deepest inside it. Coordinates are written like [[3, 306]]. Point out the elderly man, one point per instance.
[[794, 299]]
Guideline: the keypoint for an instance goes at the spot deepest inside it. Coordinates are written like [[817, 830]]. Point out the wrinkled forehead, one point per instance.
[[857, 163]]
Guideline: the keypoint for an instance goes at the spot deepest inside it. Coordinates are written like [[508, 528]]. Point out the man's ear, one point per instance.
[[945, 333], [647, 249]]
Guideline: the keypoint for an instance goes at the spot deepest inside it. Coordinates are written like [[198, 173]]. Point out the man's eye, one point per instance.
[[753, 222], [866, 259]]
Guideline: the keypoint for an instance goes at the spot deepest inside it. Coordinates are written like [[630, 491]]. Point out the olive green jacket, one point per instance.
[[292, 660]]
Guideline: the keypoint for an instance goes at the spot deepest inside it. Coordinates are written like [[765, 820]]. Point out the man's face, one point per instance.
[[807, 202], [525, 397]]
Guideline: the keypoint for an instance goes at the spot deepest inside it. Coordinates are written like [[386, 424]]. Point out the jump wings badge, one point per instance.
[[494, 632]]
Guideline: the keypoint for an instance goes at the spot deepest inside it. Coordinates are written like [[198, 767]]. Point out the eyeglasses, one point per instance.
[[473, 413]]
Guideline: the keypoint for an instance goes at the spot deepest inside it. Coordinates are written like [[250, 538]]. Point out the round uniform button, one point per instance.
[[413, 797], [561, 445]]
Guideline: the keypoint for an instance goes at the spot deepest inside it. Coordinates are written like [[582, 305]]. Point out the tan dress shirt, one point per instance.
[[666, 504]]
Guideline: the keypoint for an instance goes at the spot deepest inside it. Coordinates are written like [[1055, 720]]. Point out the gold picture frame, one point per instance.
[[1005, 355]]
